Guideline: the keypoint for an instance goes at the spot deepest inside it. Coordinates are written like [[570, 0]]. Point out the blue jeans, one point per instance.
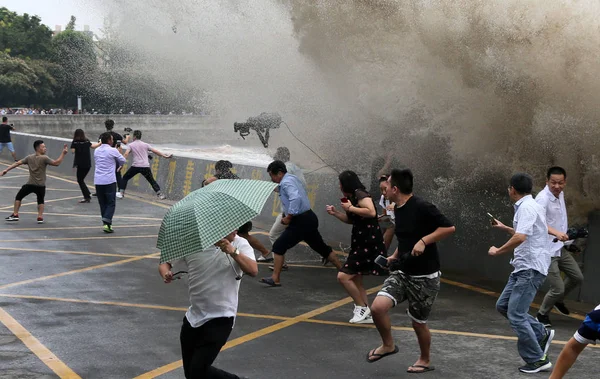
[[514, 303], [107, 194]]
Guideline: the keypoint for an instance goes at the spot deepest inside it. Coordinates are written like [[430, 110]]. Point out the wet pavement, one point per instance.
[[75, 302]]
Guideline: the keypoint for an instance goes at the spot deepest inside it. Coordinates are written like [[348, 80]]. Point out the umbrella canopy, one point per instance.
[[210, 213]]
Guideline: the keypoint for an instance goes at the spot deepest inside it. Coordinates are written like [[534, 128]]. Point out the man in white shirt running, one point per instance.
[[213, 291], [531, 261], [552, 199]]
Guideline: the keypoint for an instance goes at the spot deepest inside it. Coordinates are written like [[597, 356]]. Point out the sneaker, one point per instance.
[[264, 259], [362, 315], [161, 196], [562, 309], [85, 201], [541, 365], [544, 319], [108, 229], [545, 344], [40, 220], [94, 194], [120, 195], [12, 217]]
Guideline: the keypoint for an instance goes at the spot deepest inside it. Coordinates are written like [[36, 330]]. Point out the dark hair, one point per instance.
[[383, 178], [556, 170], [4, 118], [37, 143], [403, 180], [105, 137], [276, 167], [282, 154], [522, 183], [79, 135], [350, 182], [109, 124], [137, 134], [223, 166]]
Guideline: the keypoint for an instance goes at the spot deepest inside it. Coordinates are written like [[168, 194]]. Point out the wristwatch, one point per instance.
[[236, 252]]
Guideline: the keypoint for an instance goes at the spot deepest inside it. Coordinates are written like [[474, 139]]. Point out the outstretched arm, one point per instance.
[[14, 165], [160, 154], [59, 160]]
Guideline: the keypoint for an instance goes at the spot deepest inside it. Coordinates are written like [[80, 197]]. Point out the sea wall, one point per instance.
[[464, 256]]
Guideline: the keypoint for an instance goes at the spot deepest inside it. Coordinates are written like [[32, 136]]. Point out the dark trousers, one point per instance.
[[303, 227], [200, 347], [145, 171], [81, 174], [107, 198], [119, 180]]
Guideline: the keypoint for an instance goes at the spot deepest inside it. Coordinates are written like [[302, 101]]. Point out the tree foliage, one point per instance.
[[24, 36]]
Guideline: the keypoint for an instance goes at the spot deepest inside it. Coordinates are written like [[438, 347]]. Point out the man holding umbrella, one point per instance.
[[192, 233]]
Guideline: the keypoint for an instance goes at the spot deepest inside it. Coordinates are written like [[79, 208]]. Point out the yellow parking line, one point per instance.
[[45, 202], [80, 238], [33, 344], [96, 216], [15, 176], [47, 189], [77, 227], [338, 252], [71, 252], [77, 271], [259, 333]]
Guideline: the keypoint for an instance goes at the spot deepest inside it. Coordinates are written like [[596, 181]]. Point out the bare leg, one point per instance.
[[17, 206], [278, 264], [567, 358], [358, 279], [424, 337], [334, 259], [347, 281], [388, 236], [40, 210], [256, 244], [14, 155], [379, 312]]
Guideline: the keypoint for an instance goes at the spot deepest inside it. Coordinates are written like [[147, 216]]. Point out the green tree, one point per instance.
[[24, 36], [27, 82], [71, 24]]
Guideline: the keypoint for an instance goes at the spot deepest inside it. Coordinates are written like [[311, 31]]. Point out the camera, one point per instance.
[[575, 233], [128, 130], [261, 124]]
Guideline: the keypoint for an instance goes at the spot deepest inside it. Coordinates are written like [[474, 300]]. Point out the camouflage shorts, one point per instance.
[[420, 293]]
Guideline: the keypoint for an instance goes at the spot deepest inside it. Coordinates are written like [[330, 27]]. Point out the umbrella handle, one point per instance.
[[237, 276]]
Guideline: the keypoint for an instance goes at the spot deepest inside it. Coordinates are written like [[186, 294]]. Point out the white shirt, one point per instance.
[[530, 220], [556, 217], [213, 289], [384, 204]]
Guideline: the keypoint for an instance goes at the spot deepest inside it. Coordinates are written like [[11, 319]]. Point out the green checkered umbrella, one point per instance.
[[207, 215]]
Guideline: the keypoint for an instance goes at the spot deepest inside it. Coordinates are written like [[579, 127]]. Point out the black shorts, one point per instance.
[[246, 228], [28, 189]]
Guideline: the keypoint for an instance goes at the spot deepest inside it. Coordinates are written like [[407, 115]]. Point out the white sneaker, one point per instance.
[[362, 315], [119, 195], [161, 196]]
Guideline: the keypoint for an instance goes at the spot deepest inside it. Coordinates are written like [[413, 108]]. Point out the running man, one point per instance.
[[37, 164], [141, 164], [5, 140], [117, 139], [107, 160]]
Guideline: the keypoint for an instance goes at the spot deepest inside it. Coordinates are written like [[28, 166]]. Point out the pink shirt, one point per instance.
[[139, 151]]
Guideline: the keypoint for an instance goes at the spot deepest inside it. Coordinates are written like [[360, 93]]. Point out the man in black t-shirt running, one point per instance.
[[414, 268], [117, 140], [5, 140]]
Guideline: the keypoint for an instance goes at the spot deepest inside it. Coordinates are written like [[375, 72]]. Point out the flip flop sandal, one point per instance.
[[270, 282], [425, 369], [379, 356], [284, 268]]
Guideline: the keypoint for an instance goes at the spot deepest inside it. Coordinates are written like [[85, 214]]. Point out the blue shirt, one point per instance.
[[293, 195], [107, 159]]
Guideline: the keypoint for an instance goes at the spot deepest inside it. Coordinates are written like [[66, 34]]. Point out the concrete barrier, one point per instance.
[[464, 256]]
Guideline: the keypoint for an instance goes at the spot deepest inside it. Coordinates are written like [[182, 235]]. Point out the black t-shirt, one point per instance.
[[414, 220], [82, 154], [116, 138], [5, 133]]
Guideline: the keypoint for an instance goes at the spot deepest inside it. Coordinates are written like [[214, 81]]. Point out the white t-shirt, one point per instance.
[[384, 204], [530, 220], [213, 289], [556, 217]]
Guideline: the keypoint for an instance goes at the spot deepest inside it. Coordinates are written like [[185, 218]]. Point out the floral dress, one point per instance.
[[367, 242]]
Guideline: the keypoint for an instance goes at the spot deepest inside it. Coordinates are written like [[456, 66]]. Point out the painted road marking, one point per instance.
[[76, 227], [96, 216], [71, 252], [45, 202], [32, 343], [80, 238], [77, 271], [47, 189]]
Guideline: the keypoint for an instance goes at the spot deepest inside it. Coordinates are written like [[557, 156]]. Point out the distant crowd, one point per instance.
[[63, 111]]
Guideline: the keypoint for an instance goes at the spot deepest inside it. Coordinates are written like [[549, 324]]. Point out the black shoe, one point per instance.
[[545, 344], [12, 217], [544, 319], [94, 194], [541, 365], [562, 309]]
